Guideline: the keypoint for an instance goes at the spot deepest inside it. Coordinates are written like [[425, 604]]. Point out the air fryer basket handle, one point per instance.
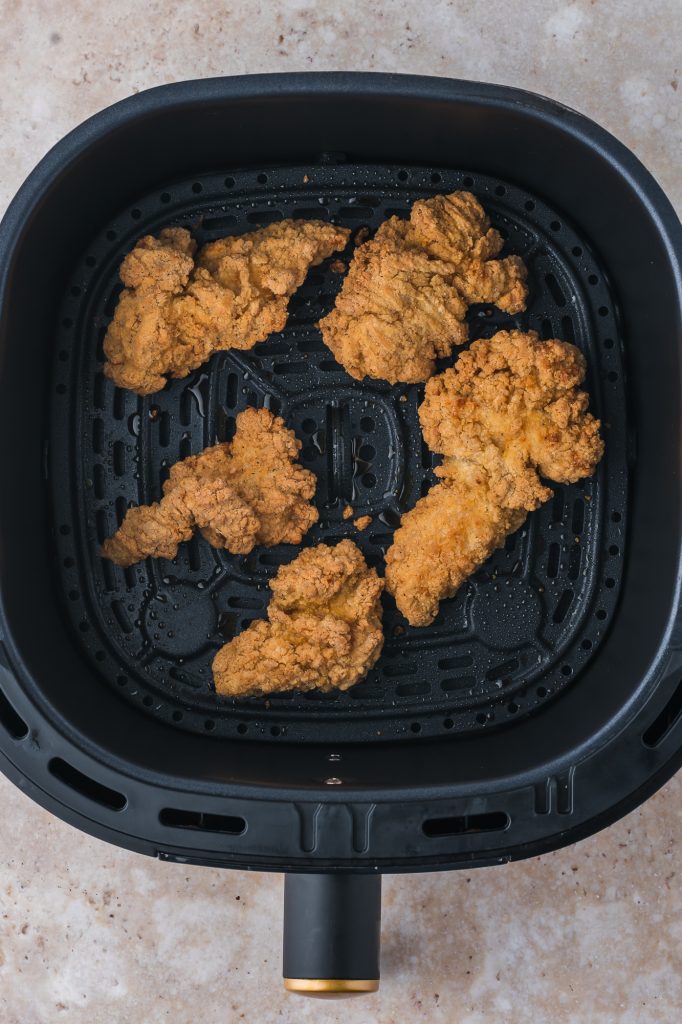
[[332, 927]]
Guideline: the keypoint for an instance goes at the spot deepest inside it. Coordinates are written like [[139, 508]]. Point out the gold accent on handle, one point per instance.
[[330, 987]]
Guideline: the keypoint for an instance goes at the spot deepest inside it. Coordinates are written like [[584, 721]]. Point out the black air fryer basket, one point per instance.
[[545, 700]]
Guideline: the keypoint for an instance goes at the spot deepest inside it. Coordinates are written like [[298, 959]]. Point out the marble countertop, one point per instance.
[[589, 935]]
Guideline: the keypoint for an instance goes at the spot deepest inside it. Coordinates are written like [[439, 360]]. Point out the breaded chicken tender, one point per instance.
[[140, 343], [403, 302], [323, 630], [509, 412], [174, 313], [240, 493]]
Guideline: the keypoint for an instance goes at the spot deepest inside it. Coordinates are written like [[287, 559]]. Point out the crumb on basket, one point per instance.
[[347, 512], [337, 267], [362, 522]]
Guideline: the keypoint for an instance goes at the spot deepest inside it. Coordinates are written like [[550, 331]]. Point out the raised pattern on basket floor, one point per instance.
[[513, 636]]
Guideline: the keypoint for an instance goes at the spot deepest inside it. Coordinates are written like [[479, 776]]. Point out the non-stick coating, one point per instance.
[[512, 638]]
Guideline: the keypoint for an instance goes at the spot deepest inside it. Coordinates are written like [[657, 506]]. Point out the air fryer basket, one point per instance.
[[544, 701]]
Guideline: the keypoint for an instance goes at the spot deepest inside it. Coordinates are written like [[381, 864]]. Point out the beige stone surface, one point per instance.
[[90, 934], [589, 935]]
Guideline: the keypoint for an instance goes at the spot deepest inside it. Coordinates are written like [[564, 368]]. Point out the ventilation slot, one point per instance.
[[119, 458], [121, 617], [466, 824], [555, 290], [463, 661], [226, 426], [194, 553], [119, 404], [567, 332], [232, 387], [412, 689], [269, 348], [98, 392], [365, 691], [310, 212], [665, 722], [197, 821], [553, 561], [101, 525], [558, 507], [564, 603], [311, 345], [185, 408], [98, 436], [578, 520], [217, 223], [355, 213], [289, 368], [98, 481], [574, 562], [108, 574], [382, 540], [248, 603], [264, 216], [12, 722], [164, 430], [86, 786], [459, 683], [121, 506], [403, 668]]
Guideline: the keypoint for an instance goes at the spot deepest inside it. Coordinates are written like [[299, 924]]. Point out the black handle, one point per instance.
[[332, 926]]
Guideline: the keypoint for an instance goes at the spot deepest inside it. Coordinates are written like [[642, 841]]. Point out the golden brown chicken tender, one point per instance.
[[509, 411], [174, 313], [324, 629], [403, 302], [240, 493]]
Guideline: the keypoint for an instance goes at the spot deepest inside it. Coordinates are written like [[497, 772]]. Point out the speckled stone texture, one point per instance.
[[590, 935]]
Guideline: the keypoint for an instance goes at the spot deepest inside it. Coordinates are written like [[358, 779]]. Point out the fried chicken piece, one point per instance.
[[407, 291], [174, 313], [324, 629], [509, 411], [240, 493], [140, 342]]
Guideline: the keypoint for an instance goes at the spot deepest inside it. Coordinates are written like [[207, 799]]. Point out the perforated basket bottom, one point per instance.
[[512, 637]]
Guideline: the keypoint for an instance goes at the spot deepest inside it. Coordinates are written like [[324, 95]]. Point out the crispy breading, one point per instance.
[[444, 539], [174, 313], [324, 629], [362, 522], [403, 302], [239, 493], [140, 342], [509, 412]]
